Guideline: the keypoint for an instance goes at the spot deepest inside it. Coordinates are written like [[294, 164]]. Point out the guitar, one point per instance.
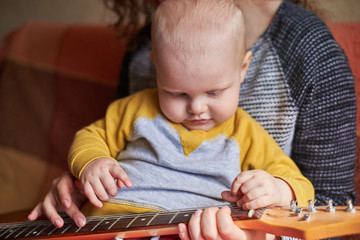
[[278, 220]]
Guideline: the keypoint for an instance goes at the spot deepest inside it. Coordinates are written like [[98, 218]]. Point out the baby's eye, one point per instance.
[[178, 94], [214, 93]]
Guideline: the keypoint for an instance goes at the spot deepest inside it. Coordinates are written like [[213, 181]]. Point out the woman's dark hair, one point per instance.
[[137, 13], [130, 13]]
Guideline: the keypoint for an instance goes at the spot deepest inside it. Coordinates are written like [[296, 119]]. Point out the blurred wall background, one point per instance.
[[14, 13]]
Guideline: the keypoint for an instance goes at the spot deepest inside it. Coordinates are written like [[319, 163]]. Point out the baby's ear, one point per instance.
[[245, 64], [152, 58]]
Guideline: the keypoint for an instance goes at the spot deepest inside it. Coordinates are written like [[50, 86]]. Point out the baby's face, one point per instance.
[[199, 93]]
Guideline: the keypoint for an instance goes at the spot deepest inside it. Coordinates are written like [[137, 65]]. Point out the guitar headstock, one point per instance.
[[308, 222]]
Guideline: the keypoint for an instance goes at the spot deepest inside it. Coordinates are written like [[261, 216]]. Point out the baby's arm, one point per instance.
[[99, 176], [256, 188]]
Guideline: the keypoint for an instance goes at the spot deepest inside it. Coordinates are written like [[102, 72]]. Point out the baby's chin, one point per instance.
[[200, 125]]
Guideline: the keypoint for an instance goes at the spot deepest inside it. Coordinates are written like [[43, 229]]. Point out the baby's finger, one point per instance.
[[109, 184], [260, 202], [251, 184], [99, 190], [90, 194], [253, 193], [119, 184], [239, 181], [227, 196], [121, 176]]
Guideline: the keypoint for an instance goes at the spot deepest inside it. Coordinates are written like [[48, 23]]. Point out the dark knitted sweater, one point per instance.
[[321, 87]]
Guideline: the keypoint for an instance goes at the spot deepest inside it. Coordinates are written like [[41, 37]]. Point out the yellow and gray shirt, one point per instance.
[[172, 167]]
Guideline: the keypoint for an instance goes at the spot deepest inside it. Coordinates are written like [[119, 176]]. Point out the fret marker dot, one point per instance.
[[143, 219], [186, 215], [35, 232], [107, 222]]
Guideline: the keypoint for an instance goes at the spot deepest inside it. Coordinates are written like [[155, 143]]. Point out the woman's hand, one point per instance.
[[66, 196]]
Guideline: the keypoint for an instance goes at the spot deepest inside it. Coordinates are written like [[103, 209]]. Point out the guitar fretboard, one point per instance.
[[100, 224]]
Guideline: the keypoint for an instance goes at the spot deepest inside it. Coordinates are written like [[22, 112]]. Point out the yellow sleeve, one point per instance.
[[108, 136], [258, 150]]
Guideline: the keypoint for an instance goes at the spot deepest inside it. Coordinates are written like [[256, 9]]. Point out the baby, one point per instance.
[[181, 145]]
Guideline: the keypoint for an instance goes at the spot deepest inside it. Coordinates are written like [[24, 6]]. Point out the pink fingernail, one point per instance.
[[81, 222], [57, 223], [66, 203], [198, 213], [181, 228]]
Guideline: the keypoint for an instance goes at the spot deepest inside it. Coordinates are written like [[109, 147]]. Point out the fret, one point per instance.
[[57, 231], [100, 222], [72, 228], [172, 219], [49, 230], [183, 216], [131, 222], [105, 224], [90, 224], [141, 220], [113, 223], [148, 224], [12, 232], [162, 218], [31, 231], [5, 233], [4, 230], [20, 231], [60, 231], [123, 222], [44, 231]]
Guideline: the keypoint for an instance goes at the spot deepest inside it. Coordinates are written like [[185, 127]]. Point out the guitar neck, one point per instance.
[[110, 226], [277, 220]]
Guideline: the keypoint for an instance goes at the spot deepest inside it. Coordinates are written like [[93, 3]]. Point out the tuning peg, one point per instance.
[[298, 211], [350, 206], [293, 205], [330, 206], [311, 206], [307, 217]]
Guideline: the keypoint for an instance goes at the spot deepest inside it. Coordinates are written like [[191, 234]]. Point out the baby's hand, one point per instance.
[[257, 188], [99, 176]]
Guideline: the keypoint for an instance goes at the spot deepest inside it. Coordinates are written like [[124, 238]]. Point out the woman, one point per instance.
[[299, 87]]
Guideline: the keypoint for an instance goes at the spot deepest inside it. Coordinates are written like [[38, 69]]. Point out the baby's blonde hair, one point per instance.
[[192, 27]]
